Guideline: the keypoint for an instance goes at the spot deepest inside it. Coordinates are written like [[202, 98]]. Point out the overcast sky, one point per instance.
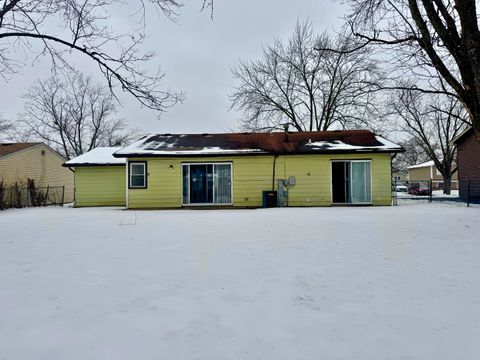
[[197, 54]]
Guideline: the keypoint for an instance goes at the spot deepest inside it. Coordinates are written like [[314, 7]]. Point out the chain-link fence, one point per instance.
[[15, 196], [460, 191]]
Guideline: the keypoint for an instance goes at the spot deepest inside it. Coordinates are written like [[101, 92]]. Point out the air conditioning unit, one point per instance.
[[269, 199]]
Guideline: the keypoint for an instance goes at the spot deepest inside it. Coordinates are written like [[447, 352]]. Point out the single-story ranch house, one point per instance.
[[318, 168]]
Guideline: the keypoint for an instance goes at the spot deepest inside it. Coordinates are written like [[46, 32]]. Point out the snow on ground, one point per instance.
[[318, 283], [435, 194]]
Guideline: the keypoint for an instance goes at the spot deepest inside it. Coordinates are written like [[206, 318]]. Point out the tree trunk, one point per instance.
[[447, 185], [470, 65], [475, 120]]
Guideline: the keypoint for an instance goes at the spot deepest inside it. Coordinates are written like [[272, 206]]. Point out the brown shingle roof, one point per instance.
[[276, 143], [9, 148]]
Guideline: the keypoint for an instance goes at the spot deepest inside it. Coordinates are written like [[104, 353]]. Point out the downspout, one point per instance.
[[127, 165], [74, 188], [285, 179], [273, 171]]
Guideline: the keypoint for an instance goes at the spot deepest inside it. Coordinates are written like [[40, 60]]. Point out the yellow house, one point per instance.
[[99, 178], [37, 161], [239, 170]]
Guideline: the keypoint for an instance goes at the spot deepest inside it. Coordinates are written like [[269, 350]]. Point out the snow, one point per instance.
[[340, 145], [296, 283], [97, 156], [212, 150], [422, 165], [454, 195], [387, 143], [155, 148], [147, 146], [440, 193]]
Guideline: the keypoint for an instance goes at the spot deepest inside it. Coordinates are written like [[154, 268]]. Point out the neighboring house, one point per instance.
[[468, 160], [427, 171], [234, 170], [99, 178], [399, 175], [37, 161]]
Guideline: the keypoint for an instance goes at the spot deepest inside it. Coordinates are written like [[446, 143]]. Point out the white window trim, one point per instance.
[[371, 183], [207, 163], [144, 165]]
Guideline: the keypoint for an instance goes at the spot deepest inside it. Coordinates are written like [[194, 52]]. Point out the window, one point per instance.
[[207, 184], [137, 175]]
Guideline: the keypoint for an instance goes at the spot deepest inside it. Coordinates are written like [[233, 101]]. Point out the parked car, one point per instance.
[[419, 189], [401, 188]]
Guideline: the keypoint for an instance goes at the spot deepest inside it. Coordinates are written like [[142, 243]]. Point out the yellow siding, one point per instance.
[[46, 169], [100, 186], [253, 174]]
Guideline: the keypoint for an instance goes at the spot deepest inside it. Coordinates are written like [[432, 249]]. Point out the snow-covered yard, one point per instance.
[[435, 194], [320, 283]]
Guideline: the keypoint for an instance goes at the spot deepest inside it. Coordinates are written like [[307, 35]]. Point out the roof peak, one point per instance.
[[246, 133]]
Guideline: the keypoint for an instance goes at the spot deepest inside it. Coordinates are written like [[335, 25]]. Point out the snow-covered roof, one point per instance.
[[97, 156], [340, 145], [258, 143], [422, 165]]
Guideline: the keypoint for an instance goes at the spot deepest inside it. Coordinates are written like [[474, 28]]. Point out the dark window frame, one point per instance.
[[213, 163], [144, 163]]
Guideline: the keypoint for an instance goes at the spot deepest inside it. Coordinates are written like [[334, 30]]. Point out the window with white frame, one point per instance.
[[137, 175]]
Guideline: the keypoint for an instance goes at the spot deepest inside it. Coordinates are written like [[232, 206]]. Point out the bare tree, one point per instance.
[[4, 125], [73, 115], [82, 28], [311, 90], [427, 37], [414, 154], [6, 128], [433, 121]]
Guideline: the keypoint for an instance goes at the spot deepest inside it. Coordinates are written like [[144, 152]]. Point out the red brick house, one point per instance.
[[468, 163]]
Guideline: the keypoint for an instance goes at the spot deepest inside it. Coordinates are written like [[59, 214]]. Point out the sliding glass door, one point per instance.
[[351, 182], [360, 182], [207, 184], [201, 184], [222, 183]]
